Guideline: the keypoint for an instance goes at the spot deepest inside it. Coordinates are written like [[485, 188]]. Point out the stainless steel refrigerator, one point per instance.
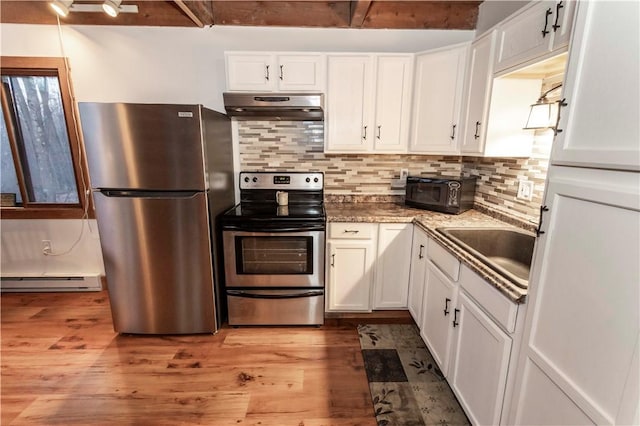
[[160, 174]]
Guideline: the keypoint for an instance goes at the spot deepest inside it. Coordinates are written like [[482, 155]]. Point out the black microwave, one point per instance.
[[441, 193]]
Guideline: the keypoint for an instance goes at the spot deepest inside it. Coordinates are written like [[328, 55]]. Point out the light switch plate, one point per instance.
[[403, 174]]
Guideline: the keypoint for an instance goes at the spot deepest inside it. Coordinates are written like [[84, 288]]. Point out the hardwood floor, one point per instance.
[[62, 363]]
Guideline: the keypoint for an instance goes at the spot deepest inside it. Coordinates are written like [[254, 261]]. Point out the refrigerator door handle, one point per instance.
[[148, 194], [259, 295]]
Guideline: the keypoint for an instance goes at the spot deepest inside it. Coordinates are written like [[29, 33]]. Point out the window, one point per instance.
[[43, 174]]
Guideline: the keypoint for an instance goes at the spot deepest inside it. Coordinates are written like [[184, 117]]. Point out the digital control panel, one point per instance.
[[302, 181]]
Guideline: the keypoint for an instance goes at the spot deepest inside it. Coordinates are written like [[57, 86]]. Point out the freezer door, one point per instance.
[[157, 257], [143, 146]]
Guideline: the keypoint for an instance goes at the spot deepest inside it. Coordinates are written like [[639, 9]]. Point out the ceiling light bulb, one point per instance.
[[61, 7], [111, 7]]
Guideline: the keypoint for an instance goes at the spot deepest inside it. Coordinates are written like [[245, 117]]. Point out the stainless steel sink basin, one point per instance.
[[507, 251]]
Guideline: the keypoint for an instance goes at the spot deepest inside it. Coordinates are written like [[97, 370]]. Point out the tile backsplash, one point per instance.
[[299, 146]]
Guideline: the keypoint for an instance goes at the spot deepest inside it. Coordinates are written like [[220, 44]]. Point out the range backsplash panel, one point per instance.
[[299, 146]]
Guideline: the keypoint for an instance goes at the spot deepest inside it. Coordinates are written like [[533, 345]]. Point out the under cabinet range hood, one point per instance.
[[274, 106]]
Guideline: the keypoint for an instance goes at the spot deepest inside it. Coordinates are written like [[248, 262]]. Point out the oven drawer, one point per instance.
[[352, 231], [276, 307]]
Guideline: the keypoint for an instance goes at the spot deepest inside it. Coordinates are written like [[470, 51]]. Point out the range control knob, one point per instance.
[[315, 180], [246, 179], [308, 180], [255, 179]]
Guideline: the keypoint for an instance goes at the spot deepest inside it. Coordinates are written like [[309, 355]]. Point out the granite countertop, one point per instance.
[[384, 212]]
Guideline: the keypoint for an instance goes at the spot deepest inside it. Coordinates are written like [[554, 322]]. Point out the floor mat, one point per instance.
[[407, 388]]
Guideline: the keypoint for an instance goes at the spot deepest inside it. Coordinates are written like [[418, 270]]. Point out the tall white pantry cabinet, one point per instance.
[[579, 362]]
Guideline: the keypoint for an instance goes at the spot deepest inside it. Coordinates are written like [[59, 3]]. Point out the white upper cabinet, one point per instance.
[[267, 72], [349, 103], [533, 32], [496, 109], [439, 80], [599, 124], [368, 103], [478, 89], [393, 103]]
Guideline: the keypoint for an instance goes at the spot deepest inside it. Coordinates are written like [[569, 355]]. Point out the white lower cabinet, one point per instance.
[[417, 275], [392, 265], [351, 252], [368, 266], [479, 363], [439, 302]]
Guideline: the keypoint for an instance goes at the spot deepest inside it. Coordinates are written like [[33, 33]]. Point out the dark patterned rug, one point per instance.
[[406, 386]]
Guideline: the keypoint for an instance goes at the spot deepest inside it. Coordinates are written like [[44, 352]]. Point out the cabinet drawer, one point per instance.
[[352, 231], [444, 260], [495, 304]]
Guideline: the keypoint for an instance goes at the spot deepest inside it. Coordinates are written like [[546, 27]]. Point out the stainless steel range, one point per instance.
[[274, 250]]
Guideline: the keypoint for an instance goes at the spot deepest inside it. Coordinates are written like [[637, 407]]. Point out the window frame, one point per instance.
[[48, 66]]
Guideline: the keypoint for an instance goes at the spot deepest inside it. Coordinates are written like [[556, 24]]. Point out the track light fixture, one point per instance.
[[61, 7], [110, 7]]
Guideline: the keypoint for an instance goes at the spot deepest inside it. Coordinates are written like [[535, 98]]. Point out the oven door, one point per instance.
[[274, 258]]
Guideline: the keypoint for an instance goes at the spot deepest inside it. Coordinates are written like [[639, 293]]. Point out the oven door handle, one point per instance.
[[249, 294], [269, 230]]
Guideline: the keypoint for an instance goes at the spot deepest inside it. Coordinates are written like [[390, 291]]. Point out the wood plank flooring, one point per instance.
[[62, 363]]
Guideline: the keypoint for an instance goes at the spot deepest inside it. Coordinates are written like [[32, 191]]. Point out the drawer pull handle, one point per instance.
[[379, 132], [365, 133], [420, 255], [267, 73], [455, 317], [453, 132], [350, 231], [446, 306], [333, 260], [281, 72], [546, 22], [539, 230], [555, 26], [476, 135]]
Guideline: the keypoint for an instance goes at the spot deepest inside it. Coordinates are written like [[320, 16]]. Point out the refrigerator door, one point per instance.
[[143, 146], [157, 256]]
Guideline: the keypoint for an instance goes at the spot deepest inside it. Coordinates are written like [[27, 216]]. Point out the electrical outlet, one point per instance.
[[403, 174], [525, 190], [46, 247]]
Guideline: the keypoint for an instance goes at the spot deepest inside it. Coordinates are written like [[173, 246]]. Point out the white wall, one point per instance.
[[493, 11], [160, 65]]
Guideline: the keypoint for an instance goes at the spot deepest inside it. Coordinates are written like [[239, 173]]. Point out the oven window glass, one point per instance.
[[426, 193], [274, 255]]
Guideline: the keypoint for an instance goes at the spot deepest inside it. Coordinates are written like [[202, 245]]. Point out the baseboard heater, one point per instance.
[[41, 284]]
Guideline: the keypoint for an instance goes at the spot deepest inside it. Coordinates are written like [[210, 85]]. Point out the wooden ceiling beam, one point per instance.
[[327, 14], [359, 11], [444, 15], [200, 12]]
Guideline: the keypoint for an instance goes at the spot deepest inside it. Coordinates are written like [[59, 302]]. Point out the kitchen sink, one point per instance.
[[507, 251]]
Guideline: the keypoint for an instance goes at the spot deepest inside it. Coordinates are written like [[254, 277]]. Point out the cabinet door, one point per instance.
[[479, 79], [600, 126], [564, 11], [393, 103], [418, 274], [583, 302], [437, 327], [349, 102], [480, 363], [251, 72], [437, 99], [350, 276], [526, 36], [301, 72], [392, 265]]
